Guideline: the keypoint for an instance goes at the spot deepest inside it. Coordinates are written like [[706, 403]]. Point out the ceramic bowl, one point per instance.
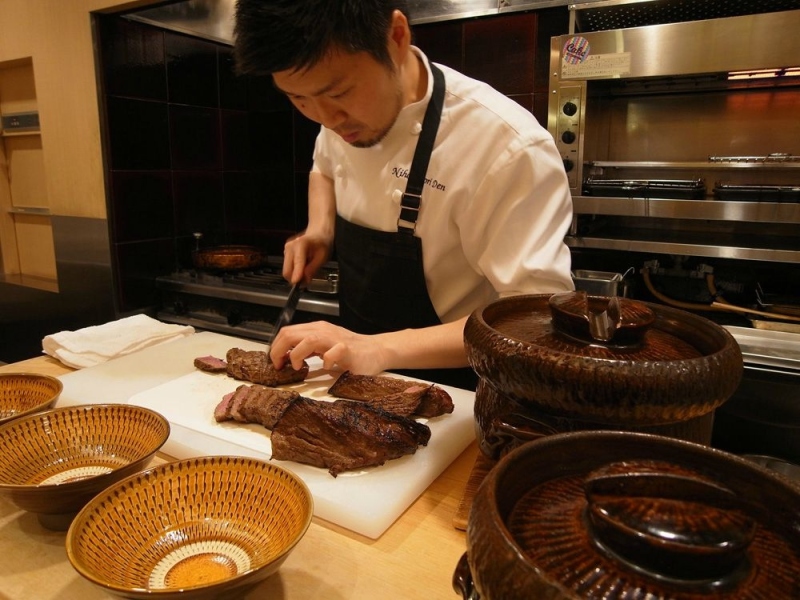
[[53, 462], [206, 527], [26, 393]]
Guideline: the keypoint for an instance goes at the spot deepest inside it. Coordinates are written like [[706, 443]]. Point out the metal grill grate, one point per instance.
[[589, 17]]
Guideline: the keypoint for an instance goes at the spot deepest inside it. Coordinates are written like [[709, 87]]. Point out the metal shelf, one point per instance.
[[716, 210], [695, 165], [684, 248]]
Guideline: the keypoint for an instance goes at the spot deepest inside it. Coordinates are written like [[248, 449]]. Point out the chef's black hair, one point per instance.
[[280, 35]]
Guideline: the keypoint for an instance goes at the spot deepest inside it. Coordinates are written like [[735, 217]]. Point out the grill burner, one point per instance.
[[646, 188], [245, 303], [329, 284], [758, 193]]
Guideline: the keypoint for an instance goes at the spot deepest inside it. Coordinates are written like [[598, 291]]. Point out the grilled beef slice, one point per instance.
[[255, 366], [211, 364], [255, 404], [344, 435], [368, 388]]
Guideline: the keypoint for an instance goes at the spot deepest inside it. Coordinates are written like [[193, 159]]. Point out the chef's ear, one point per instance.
[[399, 34]]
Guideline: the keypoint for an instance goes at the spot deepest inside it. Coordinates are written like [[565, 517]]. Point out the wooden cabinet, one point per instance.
[[27, 253]]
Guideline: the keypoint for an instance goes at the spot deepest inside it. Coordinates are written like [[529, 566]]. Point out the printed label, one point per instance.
[[598, 66], [576, 49]]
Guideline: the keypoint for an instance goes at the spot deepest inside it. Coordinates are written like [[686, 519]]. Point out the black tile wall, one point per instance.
[[271, 141], [305, 134], [193, 147], [194, 137], [232, 88], [199, 207], [137, 266], [442, 42], [501, 52], [142, 205], [235, 140], [191, 71], [139, 134], [133, 60]]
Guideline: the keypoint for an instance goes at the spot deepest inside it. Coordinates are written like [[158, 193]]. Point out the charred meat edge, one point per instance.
[[370, 388], [344, 435]]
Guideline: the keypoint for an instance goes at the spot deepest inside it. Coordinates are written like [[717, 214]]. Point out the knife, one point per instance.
[[288, 310]]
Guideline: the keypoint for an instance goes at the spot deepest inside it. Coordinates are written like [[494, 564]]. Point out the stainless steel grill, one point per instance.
[[622, 14], [244, 303]]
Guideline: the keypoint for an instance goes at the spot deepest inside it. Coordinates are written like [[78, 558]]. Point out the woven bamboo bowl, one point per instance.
[[207, 527], [53, 462], [26, 393]]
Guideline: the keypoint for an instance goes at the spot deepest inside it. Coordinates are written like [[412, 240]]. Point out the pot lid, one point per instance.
[[598, 327], [603, 359], [639, 516]]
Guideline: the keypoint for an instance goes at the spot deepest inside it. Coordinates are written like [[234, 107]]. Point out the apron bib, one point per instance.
[[381, 279]]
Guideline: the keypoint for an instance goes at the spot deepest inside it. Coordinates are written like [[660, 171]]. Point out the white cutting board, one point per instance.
[[366, 502]]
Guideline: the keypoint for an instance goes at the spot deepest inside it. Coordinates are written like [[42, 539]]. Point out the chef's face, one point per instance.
[[351, 94]]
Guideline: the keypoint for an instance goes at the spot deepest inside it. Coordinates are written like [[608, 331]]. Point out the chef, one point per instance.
[[435, 193]]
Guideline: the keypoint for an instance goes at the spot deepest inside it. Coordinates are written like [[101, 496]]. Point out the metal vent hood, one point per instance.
[[214, 19], [208, 19]]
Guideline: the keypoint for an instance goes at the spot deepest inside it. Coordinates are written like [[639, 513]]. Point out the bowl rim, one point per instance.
[[39, 407], [67, 485], [231, 582]]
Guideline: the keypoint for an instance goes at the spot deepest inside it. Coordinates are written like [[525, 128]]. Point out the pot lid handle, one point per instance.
[[669, 522], [608, 320]]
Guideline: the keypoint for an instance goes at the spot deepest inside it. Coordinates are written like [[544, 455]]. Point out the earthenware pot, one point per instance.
[[604, 514], [566, 362]]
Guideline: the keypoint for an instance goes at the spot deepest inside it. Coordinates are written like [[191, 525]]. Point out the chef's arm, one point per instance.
[[436, 347], [306, 252]]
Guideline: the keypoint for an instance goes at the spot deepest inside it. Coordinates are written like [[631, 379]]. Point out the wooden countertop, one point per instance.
[[414, 558]]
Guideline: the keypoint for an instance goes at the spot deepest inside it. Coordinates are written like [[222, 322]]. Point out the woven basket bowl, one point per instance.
[[26, 393], [199, 528], [53, 462]]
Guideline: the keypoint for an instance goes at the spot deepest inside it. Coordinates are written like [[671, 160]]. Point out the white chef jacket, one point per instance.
[[495, 207]]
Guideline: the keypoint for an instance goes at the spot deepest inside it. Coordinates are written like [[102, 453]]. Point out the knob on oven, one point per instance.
[[569, 108], [568, 137], [568, 165]]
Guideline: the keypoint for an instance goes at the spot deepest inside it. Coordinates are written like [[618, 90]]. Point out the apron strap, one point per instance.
[[409, 207]]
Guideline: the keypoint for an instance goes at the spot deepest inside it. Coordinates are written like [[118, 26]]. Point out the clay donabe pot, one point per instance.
[[601, 514], [567, 362]]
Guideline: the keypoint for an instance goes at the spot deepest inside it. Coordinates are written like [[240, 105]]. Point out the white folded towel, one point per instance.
[[97, 344]]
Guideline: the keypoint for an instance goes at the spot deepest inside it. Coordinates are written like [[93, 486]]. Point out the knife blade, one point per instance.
[[288, 309]]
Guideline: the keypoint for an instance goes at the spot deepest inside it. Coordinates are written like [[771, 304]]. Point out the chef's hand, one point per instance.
[[339, 348], [303, 255]]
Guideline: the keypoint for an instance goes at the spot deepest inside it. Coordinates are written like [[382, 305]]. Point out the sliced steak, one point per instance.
[[255, 366], [211, 364], [342, 435], [255, 404], [368, 388], [222, 412], [265, 405]]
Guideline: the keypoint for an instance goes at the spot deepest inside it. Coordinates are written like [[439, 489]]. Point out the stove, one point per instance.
[[244, 303]]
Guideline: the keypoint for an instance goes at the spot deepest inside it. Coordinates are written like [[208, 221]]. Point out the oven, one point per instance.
[[244, 302], [679, 127]]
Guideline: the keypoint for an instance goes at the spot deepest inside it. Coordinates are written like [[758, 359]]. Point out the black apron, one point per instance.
[[381, 280]]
